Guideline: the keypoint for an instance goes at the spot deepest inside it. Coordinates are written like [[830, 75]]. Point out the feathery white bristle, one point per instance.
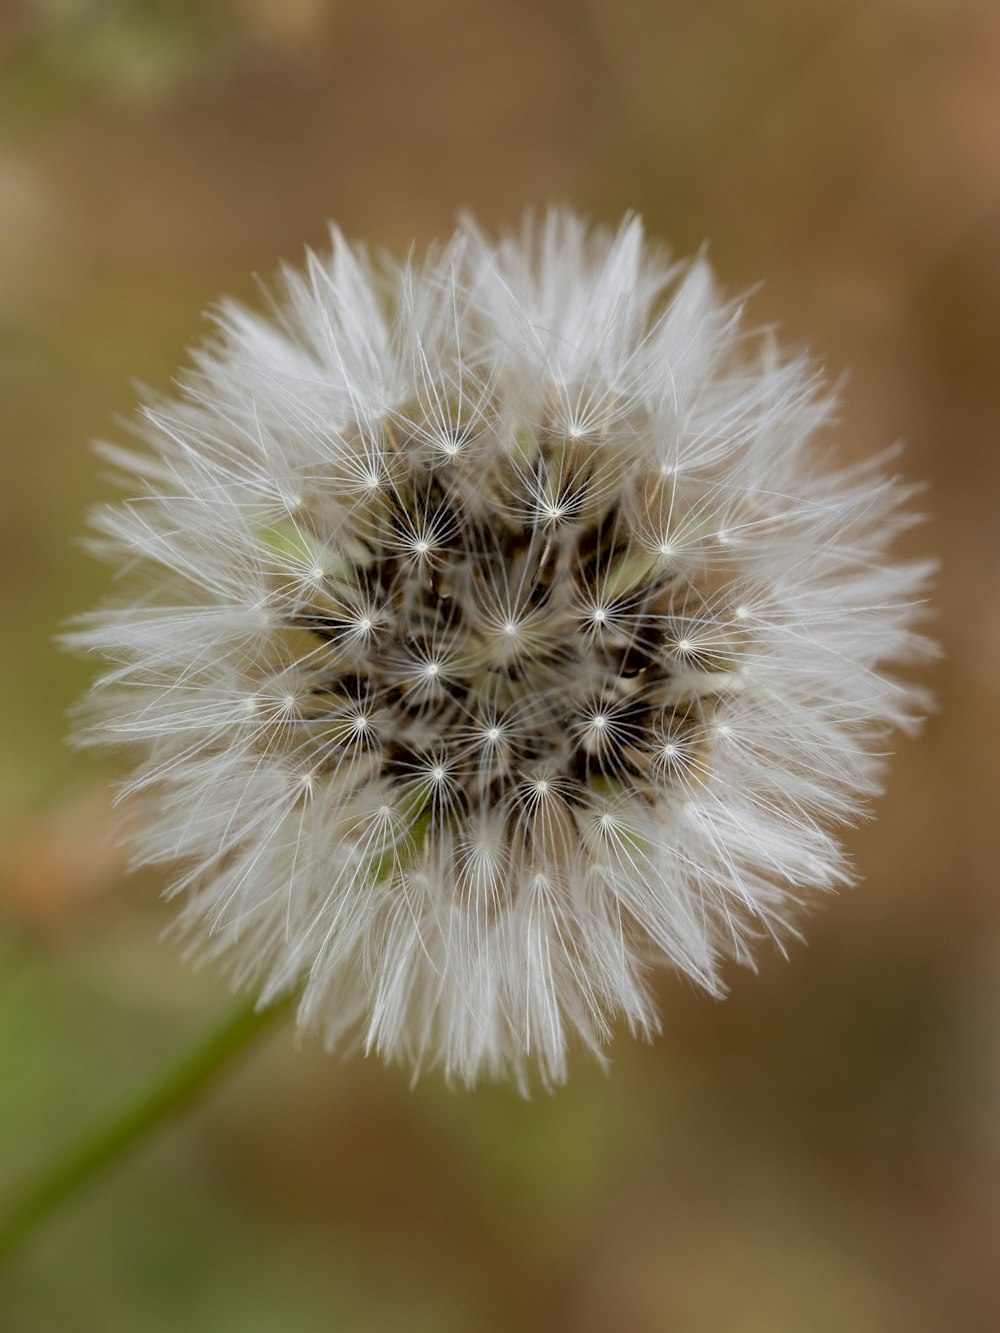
[[494, 635]]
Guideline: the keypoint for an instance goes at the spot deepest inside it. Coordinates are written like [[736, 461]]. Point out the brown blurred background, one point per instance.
[[818, 1154]]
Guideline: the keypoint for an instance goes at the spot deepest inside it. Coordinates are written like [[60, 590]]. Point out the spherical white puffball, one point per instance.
[[497, 630]]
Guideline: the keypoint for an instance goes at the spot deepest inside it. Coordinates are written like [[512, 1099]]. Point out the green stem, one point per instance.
[[171, 1092]]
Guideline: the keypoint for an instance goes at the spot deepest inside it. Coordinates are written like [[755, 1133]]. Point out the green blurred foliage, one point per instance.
[[72, 51]]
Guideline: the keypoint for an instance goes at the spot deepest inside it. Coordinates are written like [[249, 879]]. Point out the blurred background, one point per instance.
[[820, 1153]]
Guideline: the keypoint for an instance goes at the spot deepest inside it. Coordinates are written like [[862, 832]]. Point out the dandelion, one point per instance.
[[496, 632]]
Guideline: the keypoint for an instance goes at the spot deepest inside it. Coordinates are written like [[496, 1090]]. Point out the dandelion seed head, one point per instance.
[[497, 636]]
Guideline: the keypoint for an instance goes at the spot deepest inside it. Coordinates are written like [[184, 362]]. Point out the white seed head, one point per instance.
[[498, 634]]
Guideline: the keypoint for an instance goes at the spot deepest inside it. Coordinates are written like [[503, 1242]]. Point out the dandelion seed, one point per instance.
[[497, 635]]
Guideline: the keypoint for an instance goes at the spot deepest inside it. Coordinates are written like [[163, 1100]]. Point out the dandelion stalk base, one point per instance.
[[173, 1091]]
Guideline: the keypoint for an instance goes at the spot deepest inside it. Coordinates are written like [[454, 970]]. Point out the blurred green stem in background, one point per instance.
[[171, 1092]]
